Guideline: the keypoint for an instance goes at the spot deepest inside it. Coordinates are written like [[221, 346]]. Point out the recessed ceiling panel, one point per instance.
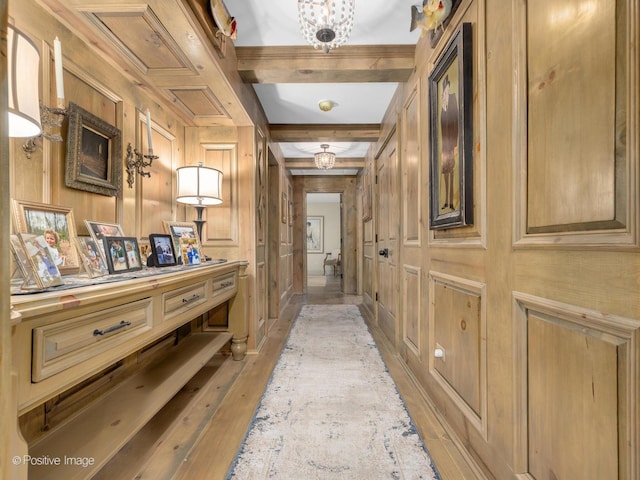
[[142, 38], [199, 102]]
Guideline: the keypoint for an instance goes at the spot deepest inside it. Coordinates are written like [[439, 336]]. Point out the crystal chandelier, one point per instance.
[[325, 160], [326, 23]]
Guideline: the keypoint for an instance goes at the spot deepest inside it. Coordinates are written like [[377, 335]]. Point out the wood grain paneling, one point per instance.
[[222, 220], [457, 325], [412, 307], [199, 102], [411, 171], [572, 143], [575, 377]]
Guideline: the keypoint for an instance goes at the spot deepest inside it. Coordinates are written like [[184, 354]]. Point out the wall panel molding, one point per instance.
[[584, 191], [577, 368], [458, 324], [412, 308]]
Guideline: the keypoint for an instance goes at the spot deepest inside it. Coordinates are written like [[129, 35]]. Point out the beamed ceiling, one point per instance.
[[172, 47]]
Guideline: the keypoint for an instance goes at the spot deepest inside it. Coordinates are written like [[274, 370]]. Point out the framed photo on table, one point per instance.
[[100, 230], [56, 224], [122, 254], [30, 279], [41, 260], [451, 134], [164, 254], [94, 262], [180, 231], [93, 161]]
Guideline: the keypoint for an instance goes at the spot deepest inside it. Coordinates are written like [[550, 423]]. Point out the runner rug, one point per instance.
[[331, 409]]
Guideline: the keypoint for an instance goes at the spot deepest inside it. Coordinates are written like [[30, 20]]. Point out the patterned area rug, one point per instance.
[[331, 409]]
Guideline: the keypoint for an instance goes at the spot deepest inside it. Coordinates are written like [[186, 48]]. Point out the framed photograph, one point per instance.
[[315, 234], [122, 254], [189, 251], [91, 255], [100, 230], [29, 278], [182, 230], [41, 260], [56, 224], [145, 251], [451, 134], [164, 254], [94, 154]]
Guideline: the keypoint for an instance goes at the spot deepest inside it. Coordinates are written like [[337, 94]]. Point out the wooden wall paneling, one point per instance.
[[261, 323], [579, 420], [457, 325], [222, 227], [412, 309], [411, 170], [577, 159], [157, 193]]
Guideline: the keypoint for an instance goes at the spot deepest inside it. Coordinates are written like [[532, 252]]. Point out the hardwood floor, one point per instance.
[[224, 409]]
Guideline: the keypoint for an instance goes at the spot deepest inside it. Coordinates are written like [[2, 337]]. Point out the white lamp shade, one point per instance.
[[199, 185], [23, 68]]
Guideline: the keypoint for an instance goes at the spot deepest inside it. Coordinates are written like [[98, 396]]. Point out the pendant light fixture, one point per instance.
[[325, 160]]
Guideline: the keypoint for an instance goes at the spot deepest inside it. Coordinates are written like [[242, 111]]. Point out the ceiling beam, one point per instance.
[[369, 132], [347, 64]]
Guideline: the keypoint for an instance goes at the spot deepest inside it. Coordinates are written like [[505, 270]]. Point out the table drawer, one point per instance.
[[62, 345], [225, 284], [181, 300]]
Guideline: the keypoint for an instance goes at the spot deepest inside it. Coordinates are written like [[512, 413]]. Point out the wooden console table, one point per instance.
[[61, 338]]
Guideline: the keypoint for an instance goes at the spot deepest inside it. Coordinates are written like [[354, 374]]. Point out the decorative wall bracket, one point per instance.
[[138, 164], [50, 117]]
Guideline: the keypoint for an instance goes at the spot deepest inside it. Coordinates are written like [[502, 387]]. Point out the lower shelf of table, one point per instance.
[[80, 447]]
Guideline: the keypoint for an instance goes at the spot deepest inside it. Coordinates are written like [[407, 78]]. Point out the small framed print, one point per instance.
[[145, 251], [189, 251], [122, 254], [91, 255], [41, 260], [183, 231], [164, 254], [56, 224], [100, 230], [29, 278]]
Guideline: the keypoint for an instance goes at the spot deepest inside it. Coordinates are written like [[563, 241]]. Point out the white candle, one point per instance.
[[57, 56], [149, 132]]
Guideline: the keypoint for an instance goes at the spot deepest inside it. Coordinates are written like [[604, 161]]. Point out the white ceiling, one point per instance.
[[275, 23]]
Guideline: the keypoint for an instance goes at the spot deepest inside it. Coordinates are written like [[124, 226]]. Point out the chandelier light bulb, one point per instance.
[[325, 160]]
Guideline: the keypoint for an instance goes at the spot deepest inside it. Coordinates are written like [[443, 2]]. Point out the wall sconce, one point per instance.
[[23, 68], [201, 187], [26, 115], [138, 164]]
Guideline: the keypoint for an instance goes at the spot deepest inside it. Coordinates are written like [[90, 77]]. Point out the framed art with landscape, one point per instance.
[[93, 160], [451, 134]]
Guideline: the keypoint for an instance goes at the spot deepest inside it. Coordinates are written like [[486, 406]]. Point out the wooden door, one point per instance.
[[387, 227]]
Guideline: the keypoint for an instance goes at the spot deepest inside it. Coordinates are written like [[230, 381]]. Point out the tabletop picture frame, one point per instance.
[[180, 231], [91, 255], [451, 134], [164, 253], [122, 254], [56, 224], [93, 158]]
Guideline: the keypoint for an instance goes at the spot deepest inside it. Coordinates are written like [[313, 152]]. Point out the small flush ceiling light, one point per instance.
[[326, 23], [325, 160], [23, 68]]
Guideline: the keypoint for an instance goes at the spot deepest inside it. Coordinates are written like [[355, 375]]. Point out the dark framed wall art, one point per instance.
[[94, 154], [451, 134]]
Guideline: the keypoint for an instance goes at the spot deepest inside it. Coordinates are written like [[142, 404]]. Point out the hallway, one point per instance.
[[220, 441]]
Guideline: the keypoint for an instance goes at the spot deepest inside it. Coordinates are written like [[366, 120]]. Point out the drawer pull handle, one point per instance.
[[193, 297], [226, 284], [113, 328]]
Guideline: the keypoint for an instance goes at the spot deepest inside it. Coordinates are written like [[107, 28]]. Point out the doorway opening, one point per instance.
[[324, 242]]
